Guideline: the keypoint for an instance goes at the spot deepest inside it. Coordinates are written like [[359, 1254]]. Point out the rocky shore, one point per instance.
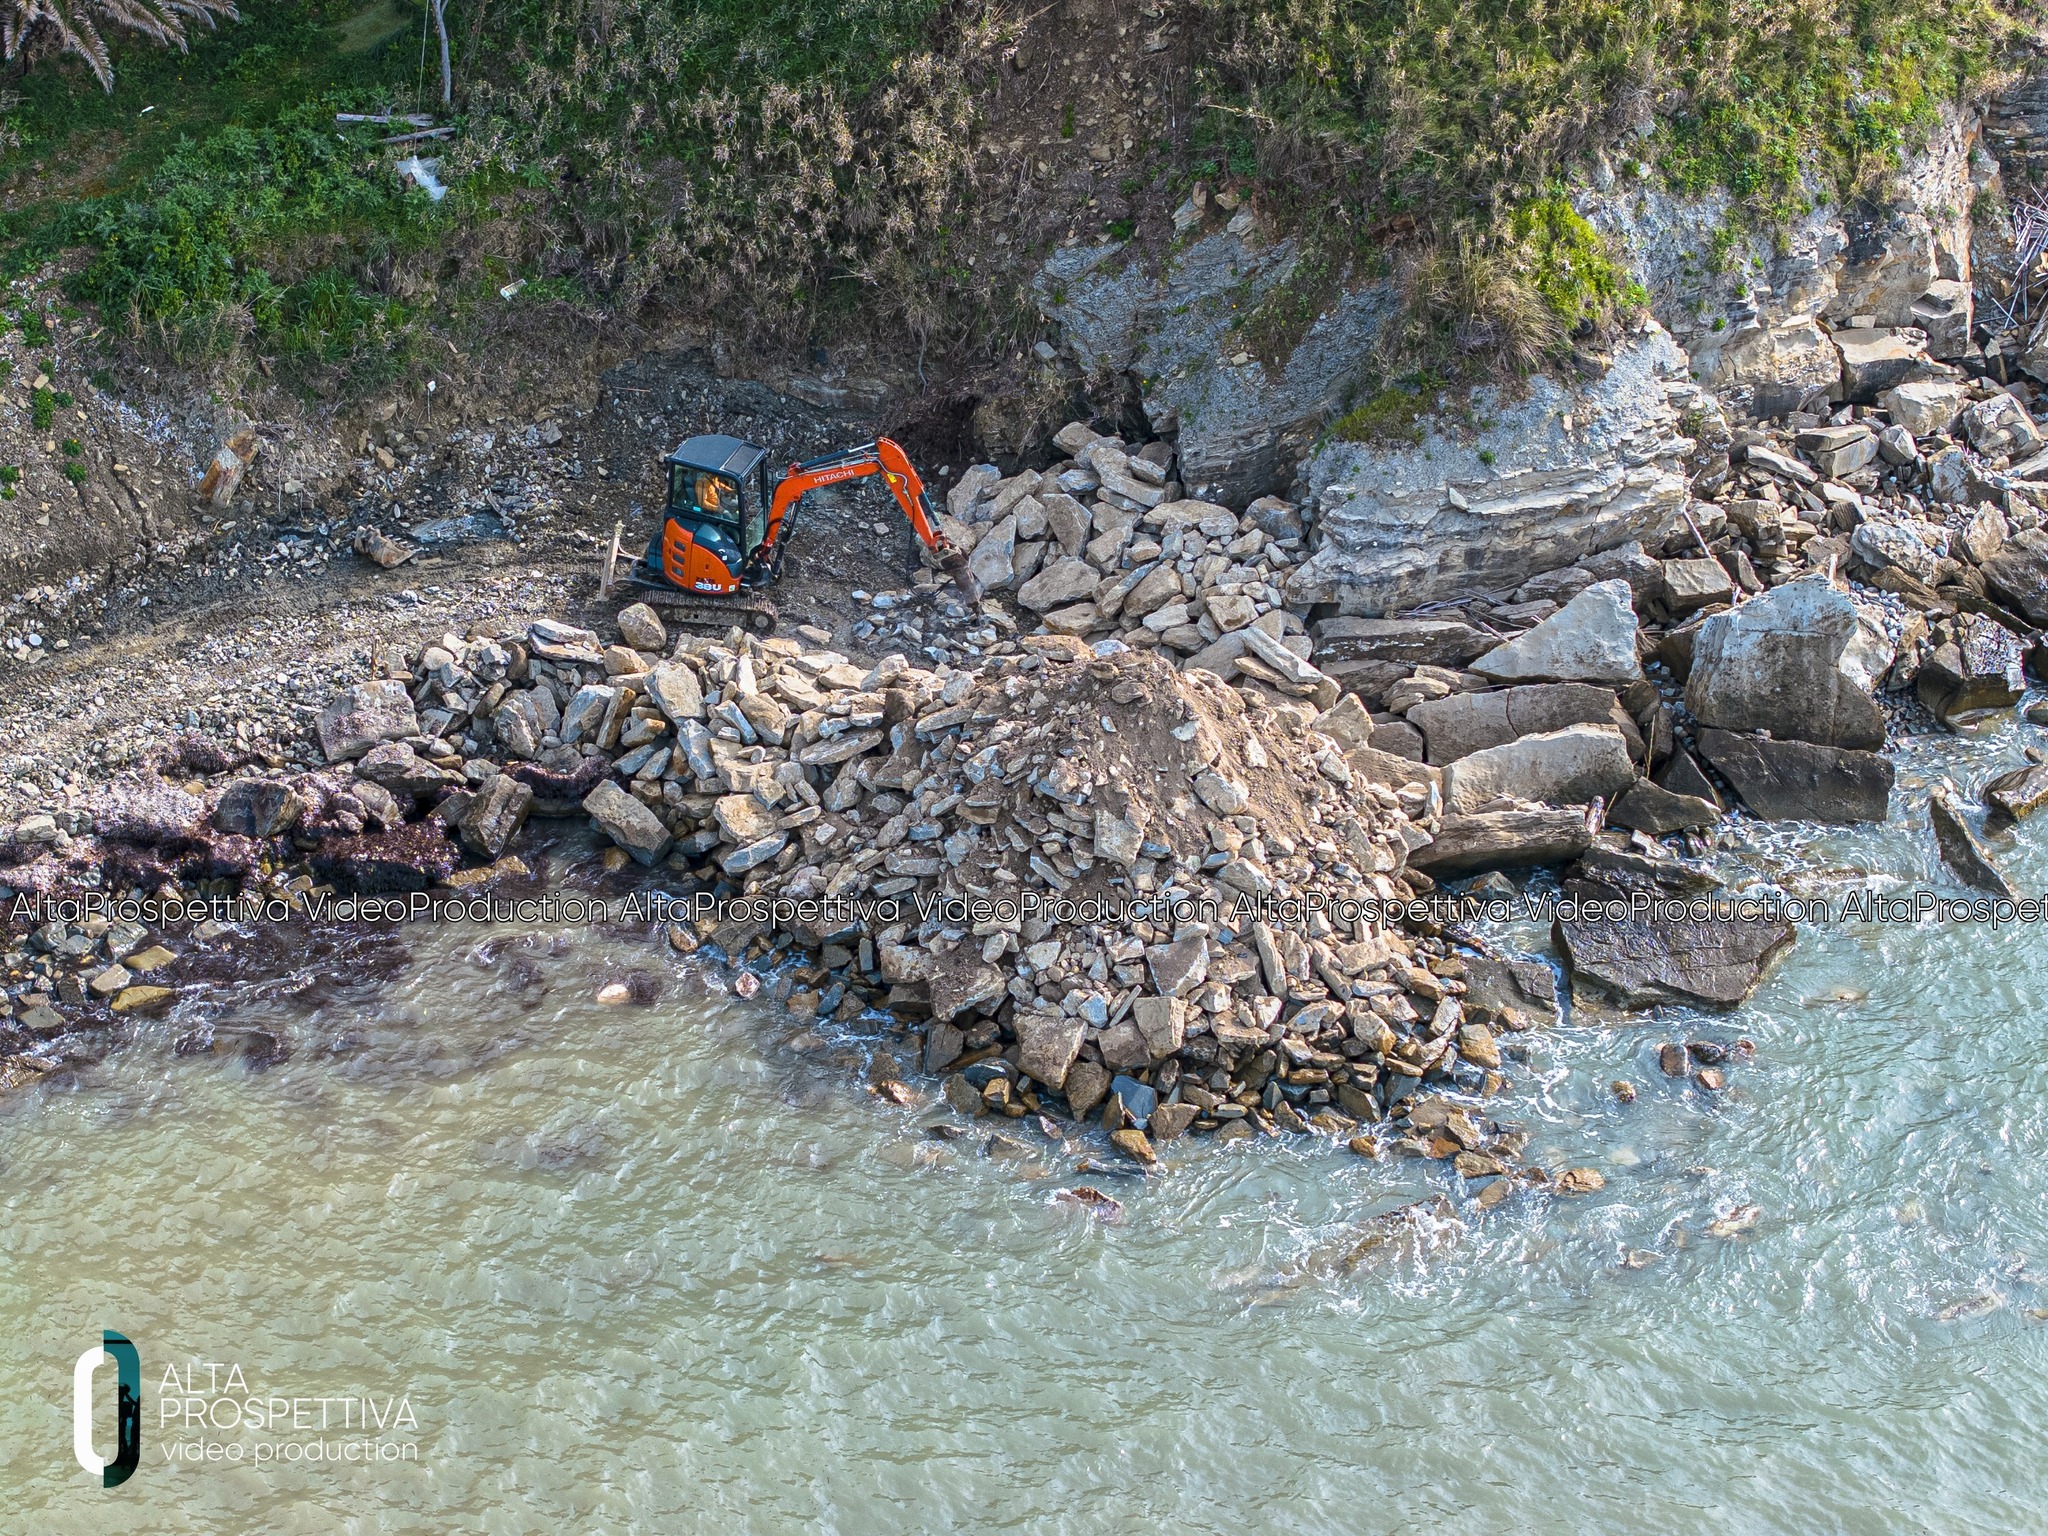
[[1142, 841]]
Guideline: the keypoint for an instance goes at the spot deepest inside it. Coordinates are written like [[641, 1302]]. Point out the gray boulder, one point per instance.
[[2014, 796], [494, 816], [1063, 582], [1465, 723], [1047, 1044], [1651, 808], [257, 808], [1798, 781], [627, 822], [358, 718], [1592, 639], [1982, 669], [1800, 661], [1573, 766], [1874, 361], [676, 692], [1900, 544], [994, 561], [2000, 425], [1924, 406], [2018, 575], [1511, 839]]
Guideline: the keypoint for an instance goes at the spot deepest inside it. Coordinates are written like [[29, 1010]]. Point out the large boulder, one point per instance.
[[1508, 839], [1924, 406], [1465, 723], [1059, 584], [1047, 1044], [627, 822], [1573, 766], [257, 808], [676, 692], [1663, 952], [1651, 808], [1979, 671], [1800, 661], [2015, 795], [1556, 475], [2000, 425], [1798, 781], [1874, 361], [359, 718], [494, 815], [1903, 544], [2018, 575], [1592, 639]]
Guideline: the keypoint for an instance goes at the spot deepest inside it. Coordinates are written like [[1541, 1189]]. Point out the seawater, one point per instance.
[[671, 1268]]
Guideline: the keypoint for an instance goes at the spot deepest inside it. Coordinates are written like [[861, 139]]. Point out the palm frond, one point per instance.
[[31, 29]]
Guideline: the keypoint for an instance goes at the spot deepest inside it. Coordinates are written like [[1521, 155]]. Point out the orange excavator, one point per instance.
[[725, 530]]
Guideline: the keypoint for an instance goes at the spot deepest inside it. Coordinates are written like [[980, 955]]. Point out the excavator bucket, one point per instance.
[[954, 563]]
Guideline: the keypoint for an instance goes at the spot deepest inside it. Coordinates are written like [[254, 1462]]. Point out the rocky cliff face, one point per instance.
[[1241, 425], [1761, 310], [1553, 475]]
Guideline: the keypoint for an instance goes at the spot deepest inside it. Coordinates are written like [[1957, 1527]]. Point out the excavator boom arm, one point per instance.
[[885, 458]]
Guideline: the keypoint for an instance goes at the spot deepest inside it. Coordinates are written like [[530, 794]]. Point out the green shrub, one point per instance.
[[184, 258], [42, 409], [1570, 264], [75, 472]]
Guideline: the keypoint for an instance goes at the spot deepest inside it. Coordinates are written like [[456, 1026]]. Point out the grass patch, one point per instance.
[[1392, 415]]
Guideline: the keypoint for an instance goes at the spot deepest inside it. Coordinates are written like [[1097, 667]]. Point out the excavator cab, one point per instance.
[[716, 522]]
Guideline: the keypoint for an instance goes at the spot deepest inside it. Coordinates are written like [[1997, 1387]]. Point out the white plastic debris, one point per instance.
[[421, 174]]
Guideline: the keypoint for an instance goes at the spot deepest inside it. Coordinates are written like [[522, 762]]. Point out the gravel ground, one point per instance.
[[248, 632]]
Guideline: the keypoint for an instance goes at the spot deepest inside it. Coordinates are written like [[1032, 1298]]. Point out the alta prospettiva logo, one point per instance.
[[127, 1410]]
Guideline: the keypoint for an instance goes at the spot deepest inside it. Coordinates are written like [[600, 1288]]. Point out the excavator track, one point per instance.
[[747, 610]]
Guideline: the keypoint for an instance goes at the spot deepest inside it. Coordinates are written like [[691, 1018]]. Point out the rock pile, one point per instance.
[[1109, 888]]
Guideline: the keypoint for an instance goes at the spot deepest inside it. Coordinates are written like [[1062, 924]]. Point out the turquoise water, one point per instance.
[[671, 1268]]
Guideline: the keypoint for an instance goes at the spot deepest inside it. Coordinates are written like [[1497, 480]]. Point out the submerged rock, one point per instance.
[[1659, 947], [1961, 851]]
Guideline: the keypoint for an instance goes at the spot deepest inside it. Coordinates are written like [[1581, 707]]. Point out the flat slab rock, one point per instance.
[[1797, 781], [1514, 839], [1592, 639], [1573, 766], [1465, 723], [1640, 958]]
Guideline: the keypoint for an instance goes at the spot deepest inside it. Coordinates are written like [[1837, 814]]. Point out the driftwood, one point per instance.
[[410, 119]]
